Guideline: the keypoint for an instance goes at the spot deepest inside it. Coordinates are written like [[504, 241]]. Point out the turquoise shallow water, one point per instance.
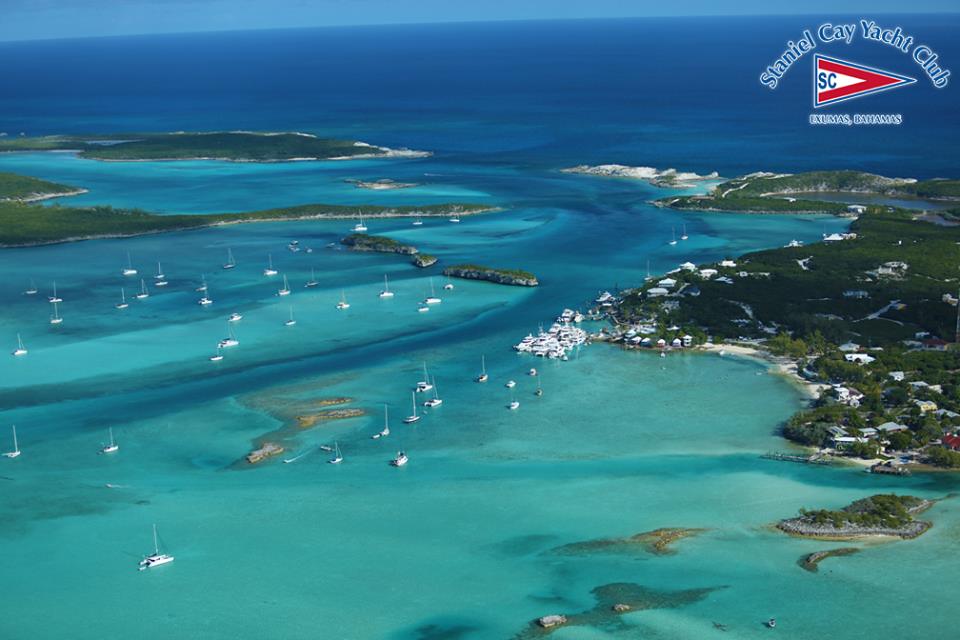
[[459, 543]]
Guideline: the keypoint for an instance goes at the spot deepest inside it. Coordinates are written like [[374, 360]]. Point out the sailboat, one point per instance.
[[123, 304], [432, 298], [217, 357], [270, 271], [235, 317], [539, 391], [55, 318], [424, 385], [359, 227], [312, 282], [230, 340], [230, 263], [386, 426], [20, 350], [113, 447], [143, 290], [16, 447], [400, 460], [386, 293], [412, 418], [513, 402], [448, 286], [343, 304], [510, 384], [673, 231], [55, 298], [422, 308], [684, 236], [483, 377], [206, 299], [156, 558], [435, 401], [129, 270], [291, 321], [32, 291], [203, 285], [160, 279], [337, 456], [285, 291], [417, 222]]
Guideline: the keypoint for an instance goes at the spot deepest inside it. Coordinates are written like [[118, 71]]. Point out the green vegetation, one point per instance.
[[381, 244], [500, 276], [943, 457], [24, 224], [886, 510], [17, 187], [424, 260], [240, 146], [770, 193]]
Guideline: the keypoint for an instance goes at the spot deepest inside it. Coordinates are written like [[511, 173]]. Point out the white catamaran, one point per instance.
[[113, 447], [16, 447], [337, 456], [20, 350], [230, 263], [386, 293], [412, 418], [270, 271], [156, 558], [129, 270], [123, 304], [383, 433]]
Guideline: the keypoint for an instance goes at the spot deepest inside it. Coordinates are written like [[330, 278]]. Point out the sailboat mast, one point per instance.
[[156, 545], [16, 447]]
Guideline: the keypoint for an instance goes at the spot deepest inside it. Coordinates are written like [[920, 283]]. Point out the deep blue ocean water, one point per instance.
[[460, 543]]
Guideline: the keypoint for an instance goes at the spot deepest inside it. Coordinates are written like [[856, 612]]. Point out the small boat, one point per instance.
[[285, 291], [235, 317], [203, 285], [422, 308], [455, 217], [312, 282], [435, 401], [159, 275], [270, 271], [205, 300], [123, 304], [539, 391], [359, 227], [32, 291], [55, 298], [483, 377], [771, 623], [337, 456], [386, 293], [400, 460], [510, 384], [418, 222], [383, 433], [217, 357], [113, 447], [684, 236], [663, 354], [20, 350], [230, 340], [412, 418], [156, 558], [291, 321], [674, 232], [432, 298], [514, 404], [343, 304], [16, 446], [532, 372], [293, 246], [424, 385], [325, 447], [129, 270], [143, 290], [160, 283], [230, 263], [448, 286], [55, 318]]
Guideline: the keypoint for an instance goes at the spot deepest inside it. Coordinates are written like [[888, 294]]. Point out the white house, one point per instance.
[[688, 266], [896, 375], [892, 427], [849, 346], [856, 208], [833, 237], [656, 292], [676, 343], [728, 263], [707, 273], [687, 340], [859, 358], [667, 283]]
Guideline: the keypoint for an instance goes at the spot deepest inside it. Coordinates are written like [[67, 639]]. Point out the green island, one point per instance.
[[25, 224], [865, 320], [779, 193], [236, 146], [379, 244], [17, 188], [811, 561], [879, 515], [514, 277], [424, 260]]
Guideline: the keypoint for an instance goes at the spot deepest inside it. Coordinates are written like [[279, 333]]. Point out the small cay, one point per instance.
[[514, 277], [879, 515], [379, 244]]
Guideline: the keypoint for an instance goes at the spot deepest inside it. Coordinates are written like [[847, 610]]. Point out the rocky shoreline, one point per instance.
[[811, 561], [499, 276], [844, 524]]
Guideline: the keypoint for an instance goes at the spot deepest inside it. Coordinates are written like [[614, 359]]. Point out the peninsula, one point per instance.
[[879, 515], [234, 146], [379, 244], [764, 192], [514, 277], [17, 188]]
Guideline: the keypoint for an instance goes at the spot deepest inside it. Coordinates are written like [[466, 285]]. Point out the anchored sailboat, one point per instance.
[[312, 282], [383, 433], [432, 298], [230, 263], [113, 447], [285, 291], [20, 350], [435, 401], [156, 558], [343, 304], [684, 236], [337, 456], [424, 385], [55, 298], [483, 377], [386, 293], [412, 418], [32, 291], [143, 290], [123, 304], [129, 270], [270, 271], [291, 321], [673, 232], [55, 318], [16, 447]]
